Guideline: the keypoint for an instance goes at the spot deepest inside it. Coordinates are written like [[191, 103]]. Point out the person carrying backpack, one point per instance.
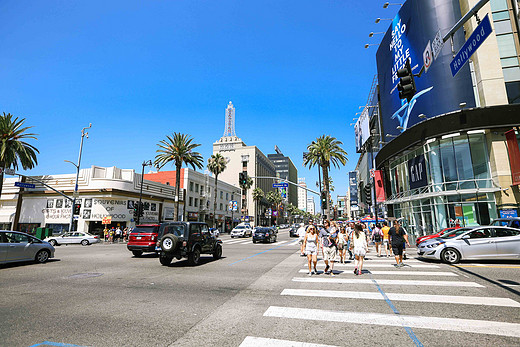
[[377, 237]]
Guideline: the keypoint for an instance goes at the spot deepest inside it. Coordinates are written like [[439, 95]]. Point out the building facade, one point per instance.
[[302, 194], [102, 192], [285, 169], [311, 207], [200, 192]]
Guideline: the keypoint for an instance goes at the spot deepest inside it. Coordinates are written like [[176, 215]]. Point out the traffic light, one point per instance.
[[141, 209], [242, 178], [324, 200], [77, 207], [406, 84], [368, 194], [136, 210]]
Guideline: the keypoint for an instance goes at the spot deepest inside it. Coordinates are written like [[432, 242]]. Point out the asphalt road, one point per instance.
[[256, 295]]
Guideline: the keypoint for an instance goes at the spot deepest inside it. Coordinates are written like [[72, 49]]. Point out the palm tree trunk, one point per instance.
[[178, 191], [1, 182], [215, 204], [326, 184]]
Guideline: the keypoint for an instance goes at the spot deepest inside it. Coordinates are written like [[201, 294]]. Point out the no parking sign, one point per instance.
[[427, 57]]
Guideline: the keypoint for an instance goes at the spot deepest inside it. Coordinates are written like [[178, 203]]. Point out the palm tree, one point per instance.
[[275, 199], [245, 187], [179, 150], [14, 151], [217, 165], [322, 152], [258, 195]]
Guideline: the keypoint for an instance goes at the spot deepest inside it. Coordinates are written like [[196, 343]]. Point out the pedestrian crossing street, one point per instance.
[[410, 287]]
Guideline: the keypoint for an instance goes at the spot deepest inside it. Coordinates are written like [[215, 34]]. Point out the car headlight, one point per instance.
[[433, 245]]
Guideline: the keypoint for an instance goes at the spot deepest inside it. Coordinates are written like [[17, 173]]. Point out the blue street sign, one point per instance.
[[476, 39], [24, 185], [280, 185]]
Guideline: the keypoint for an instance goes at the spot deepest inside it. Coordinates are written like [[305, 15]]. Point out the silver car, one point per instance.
[[77, 237], [484, 242], [17, 246]]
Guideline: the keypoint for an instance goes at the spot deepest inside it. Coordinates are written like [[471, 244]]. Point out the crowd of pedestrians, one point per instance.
[[115, 235], [334, 241]]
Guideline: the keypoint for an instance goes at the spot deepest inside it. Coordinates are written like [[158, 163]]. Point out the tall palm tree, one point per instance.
[[14, 151], [179, 150], [322, 152], [216, 164], [258, 195], [275, 199], [245, 187]]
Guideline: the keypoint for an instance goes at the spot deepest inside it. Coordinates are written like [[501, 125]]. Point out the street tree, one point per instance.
[[14, 150], [245, 187], [258, 195], [275, 199], [179, 150], [216, 165], [323, 152]]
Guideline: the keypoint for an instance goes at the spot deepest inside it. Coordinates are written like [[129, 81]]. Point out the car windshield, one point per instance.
[[240, 227], [145, 229], [455, 233], [262, 230], [177, 230], [499, 222]]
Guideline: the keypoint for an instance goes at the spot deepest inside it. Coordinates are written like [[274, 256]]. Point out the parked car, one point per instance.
[[17, 246], [242, 230], [187, 240], [265, 235], [507, 222], [293, 232], [484, 242], [143, 239], [78, 237], [445, 231]]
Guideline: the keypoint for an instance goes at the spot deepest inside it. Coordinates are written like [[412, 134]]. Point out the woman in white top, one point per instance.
[[342, 244], [310, 244], [359, 241]]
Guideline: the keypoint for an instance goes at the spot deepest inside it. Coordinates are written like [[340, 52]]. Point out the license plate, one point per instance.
[[138, 238]]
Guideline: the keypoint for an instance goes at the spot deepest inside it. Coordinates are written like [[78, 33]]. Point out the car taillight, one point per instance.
[[96, 237], [266, 234], [184, 244]]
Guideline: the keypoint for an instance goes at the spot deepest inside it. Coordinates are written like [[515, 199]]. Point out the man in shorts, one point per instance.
[[328, 237], [386, 240], [398, 237], [301, 236]]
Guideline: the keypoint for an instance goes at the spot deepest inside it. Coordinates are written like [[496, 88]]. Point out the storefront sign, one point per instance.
[[417, 172], [380, 188], [514, 155], [508, 213], [352, 181]]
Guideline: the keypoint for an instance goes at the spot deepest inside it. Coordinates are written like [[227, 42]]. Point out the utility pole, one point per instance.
[[83, 135], [140, 207]]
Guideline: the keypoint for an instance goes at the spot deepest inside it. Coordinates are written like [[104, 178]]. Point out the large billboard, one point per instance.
[[438, 92], [352, 179], [362, 129]]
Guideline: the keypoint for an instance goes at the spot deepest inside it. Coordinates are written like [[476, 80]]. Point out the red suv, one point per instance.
[[143, 239]]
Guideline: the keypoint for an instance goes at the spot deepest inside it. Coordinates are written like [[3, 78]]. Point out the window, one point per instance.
[[480, 234], [191, 186], [227, 196], [221, 194], [196, 188], [506, 232], [196, 202], [190, 201], [220, 207], [17, 238]]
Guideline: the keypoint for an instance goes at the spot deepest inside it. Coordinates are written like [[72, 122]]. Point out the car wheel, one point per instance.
[[217, 253], [194, 257], [42, 256], [232, 237], [254, 241], [84, 242], [450, 256], [169, 243], [165, 259], [137, 253], [53, 242]]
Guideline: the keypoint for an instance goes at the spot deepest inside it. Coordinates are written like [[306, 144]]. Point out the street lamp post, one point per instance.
[[83, 134], [139, 207]]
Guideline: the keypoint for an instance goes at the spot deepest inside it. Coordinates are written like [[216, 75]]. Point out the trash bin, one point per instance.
[[48, 232], [40, 233]]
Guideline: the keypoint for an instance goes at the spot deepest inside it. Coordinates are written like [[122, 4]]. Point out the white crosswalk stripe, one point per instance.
[[251, 341], [388, 265], [387, 282], [406, 273], [435, 323]]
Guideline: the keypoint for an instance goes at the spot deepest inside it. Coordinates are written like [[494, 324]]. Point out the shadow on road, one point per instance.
[[203, 261], [24, 263], [490, 280]]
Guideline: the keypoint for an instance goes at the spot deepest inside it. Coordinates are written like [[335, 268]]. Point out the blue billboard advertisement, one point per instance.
[[352, 182], [413, 29]]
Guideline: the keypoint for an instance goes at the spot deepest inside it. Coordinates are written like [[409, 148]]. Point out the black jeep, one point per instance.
[[187, 240]]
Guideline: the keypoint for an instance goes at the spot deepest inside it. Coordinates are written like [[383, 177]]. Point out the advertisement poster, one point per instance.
[[417, 23], [352, 179]]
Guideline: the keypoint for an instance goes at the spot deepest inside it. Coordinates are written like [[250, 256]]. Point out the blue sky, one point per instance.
[[139, 70]]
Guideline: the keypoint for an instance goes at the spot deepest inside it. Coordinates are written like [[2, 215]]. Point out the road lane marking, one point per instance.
[[490, 266], [251, 341], [422, 322], [448, 299], [254, 255], [387, 282], [405, 273], [238, 241], [417, 266]]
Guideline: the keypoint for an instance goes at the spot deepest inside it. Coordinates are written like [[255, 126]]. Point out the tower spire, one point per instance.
[[229, 129]]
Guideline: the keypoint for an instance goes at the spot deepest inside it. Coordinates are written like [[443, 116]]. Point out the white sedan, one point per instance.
[[243, 230], [77, 237]]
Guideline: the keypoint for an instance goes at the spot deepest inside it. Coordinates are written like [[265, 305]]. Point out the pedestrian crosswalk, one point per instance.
[[288, 243], [419, 283]]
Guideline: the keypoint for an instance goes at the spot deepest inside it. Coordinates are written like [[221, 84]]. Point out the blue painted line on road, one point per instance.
[[408, 330], [254, 255], [57, 344]]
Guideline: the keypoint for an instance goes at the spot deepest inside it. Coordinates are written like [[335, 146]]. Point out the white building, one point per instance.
[[311, 208], [250, 159], [103, 192], [302, 194]]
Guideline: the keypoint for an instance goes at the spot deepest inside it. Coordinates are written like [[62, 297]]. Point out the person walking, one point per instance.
[[105, 234], [310, 244], [328, 237], [118, 234], [301, 236], [398, 238], [360, 247], [350, 230], [377, 237], [342, 244], [386, 240]]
